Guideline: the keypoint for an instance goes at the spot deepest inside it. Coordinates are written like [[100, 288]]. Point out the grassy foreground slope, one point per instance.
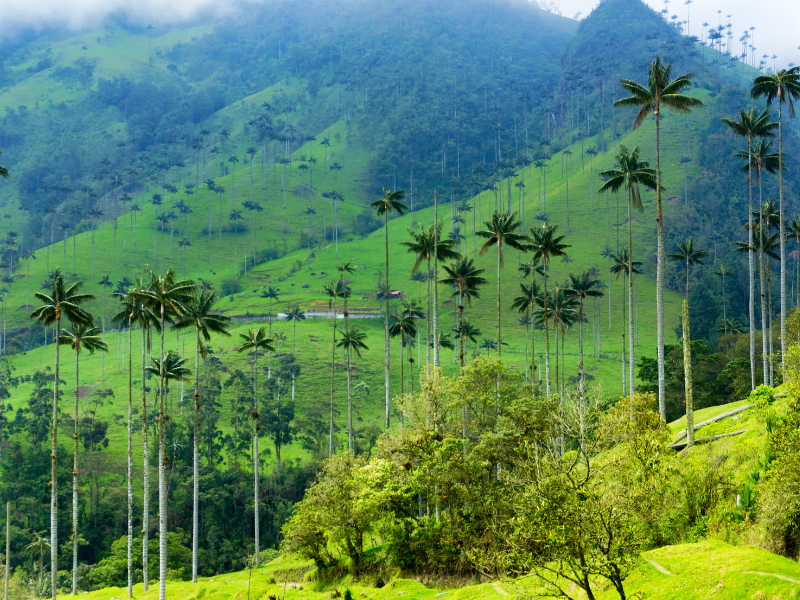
[[709, 569]]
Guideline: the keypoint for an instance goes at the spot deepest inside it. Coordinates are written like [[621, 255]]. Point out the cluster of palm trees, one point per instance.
[[152, 304], [782, 87]]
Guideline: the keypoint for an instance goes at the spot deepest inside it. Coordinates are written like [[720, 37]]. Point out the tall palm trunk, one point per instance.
[[195, 459], [783, 234], [162, 480], [580, 365], [546, 333], [130, 460], [349, 401], [751, 265], [435, 278], [75, 478], [662, 407], [499, 255], [145, 466], [630, 295], [385, 328], [54, 471], [255, 457], [333, 370], [763, 291]]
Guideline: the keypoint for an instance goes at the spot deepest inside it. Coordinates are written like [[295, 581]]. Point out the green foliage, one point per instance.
[[779, 491]]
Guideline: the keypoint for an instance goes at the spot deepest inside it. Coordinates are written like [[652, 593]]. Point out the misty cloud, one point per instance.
[[78, 14]]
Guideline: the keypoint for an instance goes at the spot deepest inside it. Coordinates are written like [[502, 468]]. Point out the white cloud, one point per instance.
[[76, 14], [775, 21]]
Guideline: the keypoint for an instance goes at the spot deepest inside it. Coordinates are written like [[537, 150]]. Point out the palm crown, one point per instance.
[[62, 302], [661, 89], [630, 174]]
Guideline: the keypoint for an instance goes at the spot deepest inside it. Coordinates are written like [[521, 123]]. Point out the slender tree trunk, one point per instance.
[[499, 257], [130, 460], [662, 407], [162, 481], [75, 478], [687, 374], [385, 329], [8, 545], [350, 445], [435, 278], [333, 370], [763, 291], [145, 468], [751, 267], [255, 459], [54, 473], [546, 333], [195, 459], [783, 236], [631, 361]]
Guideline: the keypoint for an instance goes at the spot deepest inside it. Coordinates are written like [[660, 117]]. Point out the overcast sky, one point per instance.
[[773, 34]]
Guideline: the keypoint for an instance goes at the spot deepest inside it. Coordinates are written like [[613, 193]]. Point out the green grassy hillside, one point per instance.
[[138, 240], [670, 573]]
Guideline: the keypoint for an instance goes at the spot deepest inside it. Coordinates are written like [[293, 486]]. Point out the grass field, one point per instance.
[[670, 573]]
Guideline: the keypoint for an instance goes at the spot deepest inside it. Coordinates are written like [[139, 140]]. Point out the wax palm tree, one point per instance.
[[591, 153], [346, 268], [390, 202], [630, 175], [525, 304], [198, 314], [235, 217], [294, 315], [403, 326], [352, 341], [271, 293], [466, 277], [128, 312], [545, 245], [256, 208], [256, 341], [501, 230], [167, 297], [582, 287], [689, 256], [30, 255], [751, 125], [333, 290], [427, 245], [134, 310], [62, 302], [86, 337], [783, 87], [661, 90]]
